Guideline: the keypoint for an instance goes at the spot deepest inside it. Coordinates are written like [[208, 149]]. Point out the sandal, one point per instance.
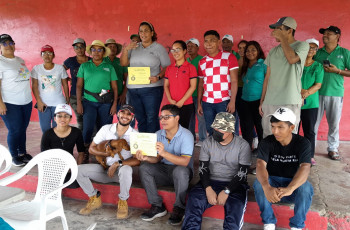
[[313, 162], [334, 155]]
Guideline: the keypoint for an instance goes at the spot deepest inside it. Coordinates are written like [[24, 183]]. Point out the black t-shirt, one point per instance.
[[284, 161], [51, 141]]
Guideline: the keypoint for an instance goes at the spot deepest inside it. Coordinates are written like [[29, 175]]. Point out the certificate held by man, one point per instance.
[[139, 75], [146, 142]]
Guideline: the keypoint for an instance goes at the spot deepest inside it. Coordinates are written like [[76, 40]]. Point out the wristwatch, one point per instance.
[[120, 163], [227, 190]]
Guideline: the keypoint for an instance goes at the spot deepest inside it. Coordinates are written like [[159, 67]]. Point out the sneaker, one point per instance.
[[17, 161], [293, 228], [154, 212], [86, 154], [255, 142], [199, 143], [123, 210], [269, 226], [93, 203], [176, 216], [26, 157], [313, 161]]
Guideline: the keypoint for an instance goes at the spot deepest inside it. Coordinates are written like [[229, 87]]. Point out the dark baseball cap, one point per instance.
[[5, 37], [128, 107], [134, 35], [330, 28], [286, 21]]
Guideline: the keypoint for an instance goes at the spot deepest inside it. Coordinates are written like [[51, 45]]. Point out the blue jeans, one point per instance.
[[95, 113], [202, 131], [46, 118], [210, 110], [17, 120], [146, 102], [301, 197], [236, 123], [197, 203]]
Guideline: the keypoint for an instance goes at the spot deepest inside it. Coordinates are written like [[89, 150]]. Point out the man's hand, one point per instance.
[[211, 195], [141, 157], [160, 149], [3, 108], [112, 169], [113, 109], [331, 68], [179, 104], [200, 109], [284, 192], [173, 102], [80, 108], [231, 107], [271, 194], [222, 197], [278, 34], [122, 98]]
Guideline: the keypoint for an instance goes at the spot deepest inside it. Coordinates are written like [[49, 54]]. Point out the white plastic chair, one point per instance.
[[5, 157], [53, 166]]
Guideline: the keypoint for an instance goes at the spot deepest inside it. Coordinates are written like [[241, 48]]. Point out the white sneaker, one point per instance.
[[292, 228], [269, 227], [199, 143], [255, 143]]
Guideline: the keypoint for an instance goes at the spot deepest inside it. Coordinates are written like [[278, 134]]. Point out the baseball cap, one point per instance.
[[5, 37], [134, 35], [313, 40], [63, 108], [79, 40], [331, 28], [225, 122], [227, 36], [47, 48], [284, 114], [286, 21], [128, 107], [193, 40]]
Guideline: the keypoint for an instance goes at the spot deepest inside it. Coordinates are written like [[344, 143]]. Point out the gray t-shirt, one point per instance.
[[284, 85], [224, 160], [153, 56]]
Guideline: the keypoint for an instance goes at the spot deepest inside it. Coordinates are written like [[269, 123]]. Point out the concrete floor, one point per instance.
[[330, 179]]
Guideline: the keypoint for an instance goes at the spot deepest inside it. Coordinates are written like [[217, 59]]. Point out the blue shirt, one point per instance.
[[73, 65], [181, 144], [253, 81]]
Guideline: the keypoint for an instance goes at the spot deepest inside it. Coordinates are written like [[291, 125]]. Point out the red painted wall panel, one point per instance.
[[33, 24]]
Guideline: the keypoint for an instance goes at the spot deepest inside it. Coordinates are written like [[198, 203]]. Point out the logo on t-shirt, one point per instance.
[[23, 73], [340, 57], [106, 69], [284, 159], [48, 82]]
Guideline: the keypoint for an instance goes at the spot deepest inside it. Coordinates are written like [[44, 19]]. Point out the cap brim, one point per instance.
[[273, 26], [322, 30]]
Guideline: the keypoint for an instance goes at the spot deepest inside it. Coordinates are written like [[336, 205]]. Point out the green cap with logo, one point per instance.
[[225, 122]]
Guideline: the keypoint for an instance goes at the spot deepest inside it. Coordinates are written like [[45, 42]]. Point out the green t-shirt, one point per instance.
[[240, 81], [195, 62], [333, 84], [284, 85], [120, 70], [312, 74], [96, 78], [236, 55]]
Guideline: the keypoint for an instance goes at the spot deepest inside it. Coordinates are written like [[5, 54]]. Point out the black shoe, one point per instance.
[[153, 213], [26, 157], [17, 161], [177, 216]]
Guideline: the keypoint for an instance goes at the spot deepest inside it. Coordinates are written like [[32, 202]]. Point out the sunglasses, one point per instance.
[[99, 50], [175, 50], [7, 44], [166, 117]]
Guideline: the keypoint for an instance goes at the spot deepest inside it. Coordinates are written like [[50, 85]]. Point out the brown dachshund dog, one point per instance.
[[111, 147]]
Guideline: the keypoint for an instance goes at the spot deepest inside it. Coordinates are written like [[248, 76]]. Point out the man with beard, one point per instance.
[[119, 170], [224, 161]]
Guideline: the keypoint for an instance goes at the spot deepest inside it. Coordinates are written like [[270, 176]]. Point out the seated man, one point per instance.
[[119, 170], [224, 161], [282, 169], [172, 166]]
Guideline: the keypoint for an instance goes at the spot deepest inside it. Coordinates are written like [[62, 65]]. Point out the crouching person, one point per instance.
[[119, 166], [282, 169], [224, 161], [172, 166]]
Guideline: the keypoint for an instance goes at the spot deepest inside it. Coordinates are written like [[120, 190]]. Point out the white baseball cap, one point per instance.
[[284, 114], [193, 40], [227, 36], [313, 40], [63, 108]]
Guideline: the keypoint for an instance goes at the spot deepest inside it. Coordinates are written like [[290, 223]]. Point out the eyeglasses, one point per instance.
[[79, 47], [314, 48], [7, 44], [166, 117], [99, 50], [46, 53], [175, 50], [63, 116]]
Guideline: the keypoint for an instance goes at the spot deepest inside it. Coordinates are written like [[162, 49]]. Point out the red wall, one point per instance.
[[33, 24]]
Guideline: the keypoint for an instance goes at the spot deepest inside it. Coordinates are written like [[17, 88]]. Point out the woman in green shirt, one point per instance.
[[311, 82]]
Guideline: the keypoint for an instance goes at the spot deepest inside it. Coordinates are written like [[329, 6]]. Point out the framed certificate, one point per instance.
[[139, 75], [146, 142]]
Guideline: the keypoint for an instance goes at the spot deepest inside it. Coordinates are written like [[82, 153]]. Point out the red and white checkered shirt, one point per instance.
[[215, 72]]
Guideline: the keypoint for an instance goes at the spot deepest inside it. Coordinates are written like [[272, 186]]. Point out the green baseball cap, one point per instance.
[[225, 122]]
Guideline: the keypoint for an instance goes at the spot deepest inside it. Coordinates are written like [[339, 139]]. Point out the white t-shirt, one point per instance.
[[49, 83], [15, 85], [109, 132]]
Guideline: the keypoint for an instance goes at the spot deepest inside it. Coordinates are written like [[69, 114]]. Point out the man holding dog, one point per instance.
[[119, 167]]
